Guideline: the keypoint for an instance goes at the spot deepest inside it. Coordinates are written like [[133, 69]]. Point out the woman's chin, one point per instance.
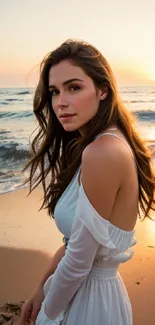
[[70, 128]]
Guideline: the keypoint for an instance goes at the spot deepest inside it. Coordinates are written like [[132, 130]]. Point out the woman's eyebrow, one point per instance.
[[66, 82]]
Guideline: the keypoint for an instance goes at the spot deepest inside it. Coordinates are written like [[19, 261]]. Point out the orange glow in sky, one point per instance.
[[123, 32]]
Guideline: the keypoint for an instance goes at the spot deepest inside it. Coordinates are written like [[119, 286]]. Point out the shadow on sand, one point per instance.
[[20, 271]]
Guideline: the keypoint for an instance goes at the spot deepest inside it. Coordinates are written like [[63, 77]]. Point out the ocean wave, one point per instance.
[[12, 180], [14, 152], [129, 91], [9, 173], [139, 101], [10, 101], [23, 93], [5, 131], [16, 115], [145, 115], [13, 99], [4, 103]]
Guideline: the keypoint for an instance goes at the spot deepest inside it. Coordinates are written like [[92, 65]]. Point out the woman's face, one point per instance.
[[74, 93]]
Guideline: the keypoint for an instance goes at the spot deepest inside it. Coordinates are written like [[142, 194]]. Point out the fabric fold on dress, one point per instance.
[[96, 225]]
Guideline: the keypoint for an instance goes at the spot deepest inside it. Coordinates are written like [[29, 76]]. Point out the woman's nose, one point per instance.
[[62, 100]]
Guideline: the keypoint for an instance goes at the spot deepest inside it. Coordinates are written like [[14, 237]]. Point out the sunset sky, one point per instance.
[[124, 31]]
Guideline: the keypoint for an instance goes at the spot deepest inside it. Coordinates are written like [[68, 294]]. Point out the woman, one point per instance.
[[97, 176]]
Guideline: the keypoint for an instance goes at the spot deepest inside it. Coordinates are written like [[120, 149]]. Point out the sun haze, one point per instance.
[[122, 31]]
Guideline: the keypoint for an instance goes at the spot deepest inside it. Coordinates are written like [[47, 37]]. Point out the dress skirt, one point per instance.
[[102, 299]]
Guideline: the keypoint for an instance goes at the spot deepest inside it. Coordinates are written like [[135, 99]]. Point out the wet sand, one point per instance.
[[29, 238]]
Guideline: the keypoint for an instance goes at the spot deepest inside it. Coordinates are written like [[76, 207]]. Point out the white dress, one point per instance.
[[86, 288]]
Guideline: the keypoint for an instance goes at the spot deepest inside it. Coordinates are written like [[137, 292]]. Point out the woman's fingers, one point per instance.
[[35, 312], [25, 317]]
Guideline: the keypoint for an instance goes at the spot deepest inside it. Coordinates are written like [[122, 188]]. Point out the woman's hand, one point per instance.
[[31, 307]]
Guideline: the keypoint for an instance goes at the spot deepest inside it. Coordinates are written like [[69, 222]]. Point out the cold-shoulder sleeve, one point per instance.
[[89, 231]]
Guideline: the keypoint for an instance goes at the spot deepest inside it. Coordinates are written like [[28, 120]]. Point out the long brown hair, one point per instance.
[[56, 153]]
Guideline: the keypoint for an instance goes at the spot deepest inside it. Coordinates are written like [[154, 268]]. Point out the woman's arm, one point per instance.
[[31, 307], [53, 265]]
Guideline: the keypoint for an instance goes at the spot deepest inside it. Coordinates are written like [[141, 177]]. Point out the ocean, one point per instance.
[[17, 123]]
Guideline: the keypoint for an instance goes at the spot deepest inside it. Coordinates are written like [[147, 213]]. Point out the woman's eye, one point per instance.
[[54, 92], [74, 87]]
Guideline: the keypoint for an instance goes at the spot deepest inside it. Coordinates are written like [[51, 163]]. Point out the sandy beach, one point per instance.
[[29, 238]]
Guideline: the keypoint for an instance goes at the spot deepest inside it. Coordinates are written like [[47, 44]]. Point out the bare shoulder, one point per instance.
[[107, 154], [103, 166]]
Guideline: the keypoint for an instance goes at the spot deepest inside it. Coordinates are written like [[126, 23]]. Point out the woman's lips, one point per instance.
[[66, 117]]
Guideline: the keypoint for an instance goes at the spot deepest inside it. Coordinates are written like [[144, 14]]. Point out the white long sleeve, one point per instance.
[[72, 270], [88, 233]]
